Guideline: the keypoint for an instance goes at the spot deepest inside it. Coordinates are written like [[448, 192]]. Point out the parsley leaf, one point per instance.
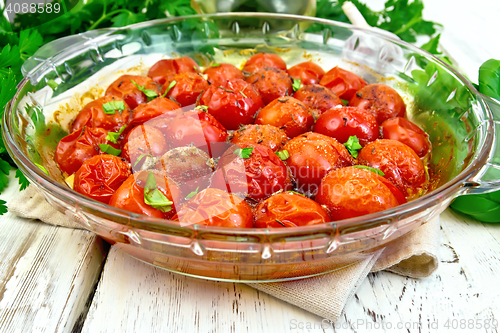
[[296, 84], [113, 136], [23, 181], [353, 146], [150, 94], [192, 194], [154, 197], [4, 174], [170, 86], [283, 154], [377, 171], [3, 207], [111, 107], [243, 153], [109, 149]]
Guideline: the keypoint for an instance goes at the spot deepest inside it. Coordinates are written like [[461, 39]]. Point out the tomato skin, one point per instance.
[[124, 88], [222, 73], [262, 60], [79, 146], [143, 139], [288, 114], [341, 123], [381, 100], [400, 164], [199, 128], [307, 72], [130, 195], [351, 192], [93, 115], [271, 83], [267, 135], [216, 208], [227, 104], [100, 176], [187, 88], [165, 69], [291, 209], [158, 107], [343, 83], [312, 156], [405, 131], [257, 177], [318, 98]]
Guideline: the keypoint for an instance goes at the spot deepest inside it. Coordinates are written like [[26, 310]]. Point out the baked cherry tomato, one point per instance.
[[381, 100], [123, 87], [198, 128], [341, 123], [262, 60], [271, 83], [342, 82], [93, 115], [186, 88], [288, 114], [267, 135], [166, 69], [408, 133], [233, 103], [317, 97], [79, 146], [130, 195], [312, 156], [189, 167], [142, 141], [160, 106], [220, 73], [252, 170], [289, 209], [351, 192], [400, 164], [100, 176], [216, 208], [307, 72]]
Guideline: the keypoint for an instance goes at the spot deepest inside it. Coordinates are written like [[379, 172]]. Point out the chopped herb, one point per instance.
[[154, 197], [353, 146], [360, 95], [42, 168], [113, 136], [280, 222], [243, 153], [226, 90], [53, 84], [170, 86], [111, 107], [109, 149], [242, 94], [296, 84], [150, 94], [345, 121], [345, 102], [296, 193], [283, 154], [192, 194], [260, 141], [241, 129], [196, 68], [140, 158], [215, 64], [377, 171], [203, 108], [282, 100]]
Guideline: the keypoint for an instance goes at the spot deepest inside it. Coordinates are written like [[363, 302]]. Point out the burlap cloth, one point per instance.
[[413, 255]]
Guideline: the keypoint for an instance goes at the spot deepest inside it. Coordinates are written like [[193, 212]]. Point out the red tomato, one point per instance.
[[220, 73], [381, 100], [342, 82], [188, 86], [216, 208], [130, 195], [143, 140], [267, 135], [312, 156], [317, 97], [408, 133], [93, 115], [233, 103], [400, 164], [257, 176], [123, 87], [262, 60], [351, 192], [288, 114], [165, 69], [160, 106], [100, 176], [271, 83], [289, 209], [307, 72], [198, 128], [79, 146], [341, 123]]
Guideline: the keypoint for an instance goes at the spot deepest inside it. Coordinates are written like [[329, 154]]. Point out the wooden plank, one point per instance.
[[47, 274]]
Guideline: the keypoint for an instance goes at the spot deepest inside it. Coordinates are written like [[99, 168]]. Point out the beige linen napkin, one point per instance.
[[413, 255]]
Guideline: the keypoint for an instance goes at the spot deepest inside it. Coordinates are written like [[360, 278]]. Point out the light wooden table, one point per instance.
[[61, 280]]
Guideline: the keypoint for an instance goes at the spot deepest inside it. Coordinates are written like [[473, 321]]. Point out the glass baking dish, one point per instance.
[[461, 124]]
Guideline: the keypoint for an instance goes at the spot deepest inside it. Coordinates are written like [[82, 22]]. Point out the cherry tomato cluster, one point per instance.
[[266, 146]]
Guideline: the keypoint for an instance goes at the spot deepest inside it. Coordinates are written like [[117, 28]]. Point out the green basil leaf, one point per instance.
[[140, 158], [192, 194], [109, 149], [154, 197], [170, 86], [243, 153], [111, 107], [150, 94], [114, 136], [353, 146], [283, 155], [296, 84], [377, 171]]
